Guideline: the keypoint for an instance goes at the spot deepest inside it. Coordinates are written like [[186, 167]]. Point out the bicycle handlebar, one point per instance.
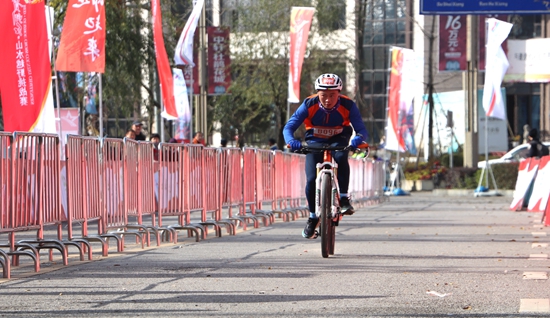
[[323, 147]]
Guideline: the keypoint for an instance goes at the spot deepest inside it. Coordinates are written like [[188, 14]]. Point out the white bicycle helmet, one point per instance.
[[328, 81]]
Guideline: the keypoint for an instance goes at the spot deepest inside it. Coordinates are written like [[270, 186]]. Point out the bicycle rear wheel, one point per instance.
[[327, 226]]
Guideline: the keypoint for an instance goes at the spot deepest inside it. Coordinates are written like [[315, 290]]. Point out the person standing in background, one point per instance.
[[137, 128], [272, 144], [199, 138]]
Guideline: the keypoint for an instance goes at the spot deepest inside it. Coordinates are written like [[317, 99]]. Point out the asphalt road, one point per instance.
[[416, 256]]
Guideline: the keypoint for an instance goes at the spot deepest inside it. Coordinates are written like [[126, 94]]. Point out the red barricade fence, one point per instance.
[[120, 188]]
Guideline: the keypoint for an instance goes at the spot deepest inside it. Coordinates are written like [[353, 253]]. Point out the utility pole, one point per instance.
[[431, 91], [201, 105], [471, 151]]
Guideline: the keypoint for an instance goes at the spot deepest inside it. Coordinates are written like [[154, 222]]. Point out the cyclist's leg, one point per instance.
[[311, 173], [341, 158]]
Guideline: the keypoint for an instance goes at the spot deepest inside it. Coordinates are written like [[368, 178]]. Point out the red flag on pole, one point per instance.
[[24, 63], [82, 46], [300, 22], [163, 66]]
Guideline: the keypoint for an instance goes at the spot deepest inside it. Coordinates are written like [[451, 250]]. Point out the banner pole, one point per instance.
[[100, 106], [162, 139]]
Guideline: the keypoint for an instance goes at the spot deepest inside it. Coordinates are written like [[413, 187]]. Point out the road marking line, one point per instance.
[[534, 305], [538, 233], [539, 245], [535, 275], [538, 257]]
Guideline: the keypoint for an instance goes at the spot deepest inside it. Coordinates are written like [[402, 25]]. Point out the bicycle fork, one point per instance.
[[323, 168]]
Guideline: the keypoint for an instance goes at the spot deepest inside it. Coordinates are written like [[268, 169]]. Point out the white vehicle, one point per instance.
[[515, 155]]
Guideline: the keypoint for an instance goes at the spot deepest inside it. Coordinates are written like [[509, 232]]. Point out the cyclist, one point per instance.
[[327, 116]]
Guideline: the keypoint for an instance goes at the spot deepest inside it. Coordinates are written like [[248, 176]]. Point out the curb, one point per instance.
[[467, 192]]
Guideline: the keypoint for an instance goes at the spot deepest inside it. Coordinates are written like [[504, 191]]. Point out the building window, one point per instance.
[[385, 26], [331, 15]]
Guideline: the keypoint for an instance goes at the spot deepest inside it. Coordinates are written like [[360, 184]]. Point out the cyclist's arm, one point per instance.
[[357, 123], [294, 122]]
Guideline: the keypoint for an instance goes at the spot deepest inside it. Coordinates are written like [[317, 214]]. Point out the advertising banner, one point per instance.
[[219, 72], [25, 68], [300, 22], [163, 66], [82, 45], [496, 65], [400, 125], [529, 61], [452, 43]]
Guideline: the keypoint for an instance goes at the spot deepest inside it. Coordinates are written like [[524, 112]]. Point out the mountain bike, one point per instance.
[[327, 193]]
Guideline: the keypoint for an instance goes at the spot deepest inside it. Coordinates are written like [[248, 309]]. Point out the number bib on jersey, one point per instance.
[[326, 132]]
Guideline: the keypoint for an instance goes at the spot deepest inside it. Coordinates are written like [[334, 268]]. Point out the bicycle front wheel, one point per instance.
[[327, 226]]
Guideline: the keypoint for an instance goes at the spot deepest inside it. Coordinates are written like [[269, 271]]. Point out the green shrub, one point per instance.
[[458, 159], [461, 178]]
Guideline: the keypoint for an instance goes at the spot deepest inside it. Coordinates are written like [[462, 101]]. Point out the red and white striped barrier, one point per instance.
[[541, 187], [526, 174]]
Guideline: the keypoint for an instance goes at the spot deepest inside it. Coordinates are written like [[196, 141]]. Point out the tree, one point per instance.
[[130, 83], [257, 102]]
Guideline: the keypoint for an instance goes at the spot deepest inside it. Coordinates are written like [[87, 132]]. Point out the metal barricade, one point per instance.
[[231, 186], [357, 181], [284, 189], [265, 206], [139, 191], [249, 186], [172, 191], [297, 173], [113, 156], [5, 195], [211, 189], [34, 196], [85, 192]]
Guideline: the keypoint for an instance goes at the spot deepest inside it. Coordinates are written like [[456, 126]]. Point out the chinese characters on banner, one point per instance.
[[452, 43], [219, 74], [82, 47], [24, 65]]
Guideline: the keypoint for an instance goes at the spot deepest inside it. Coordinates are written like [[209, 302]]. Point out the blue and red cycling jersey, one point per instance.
[[326, 126]]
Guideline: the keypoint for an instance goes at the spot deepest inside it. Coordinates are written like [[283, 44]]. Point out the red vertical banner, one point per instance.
[[25, 69], [300, 22], [163, 66], [219, 72], [394, 140], [452, 43], [82, 45]]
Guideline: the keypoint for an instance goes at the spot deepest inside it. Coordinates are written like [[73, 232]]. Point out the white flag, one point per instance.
[[184, 50], [495, 68]]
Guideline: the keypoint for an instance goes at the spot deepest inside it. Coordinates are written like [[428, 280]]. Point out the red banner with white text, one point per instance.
[[25, 69], [82, 45], [452, 43], [163, 66], [300, 22], [219, 73]]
